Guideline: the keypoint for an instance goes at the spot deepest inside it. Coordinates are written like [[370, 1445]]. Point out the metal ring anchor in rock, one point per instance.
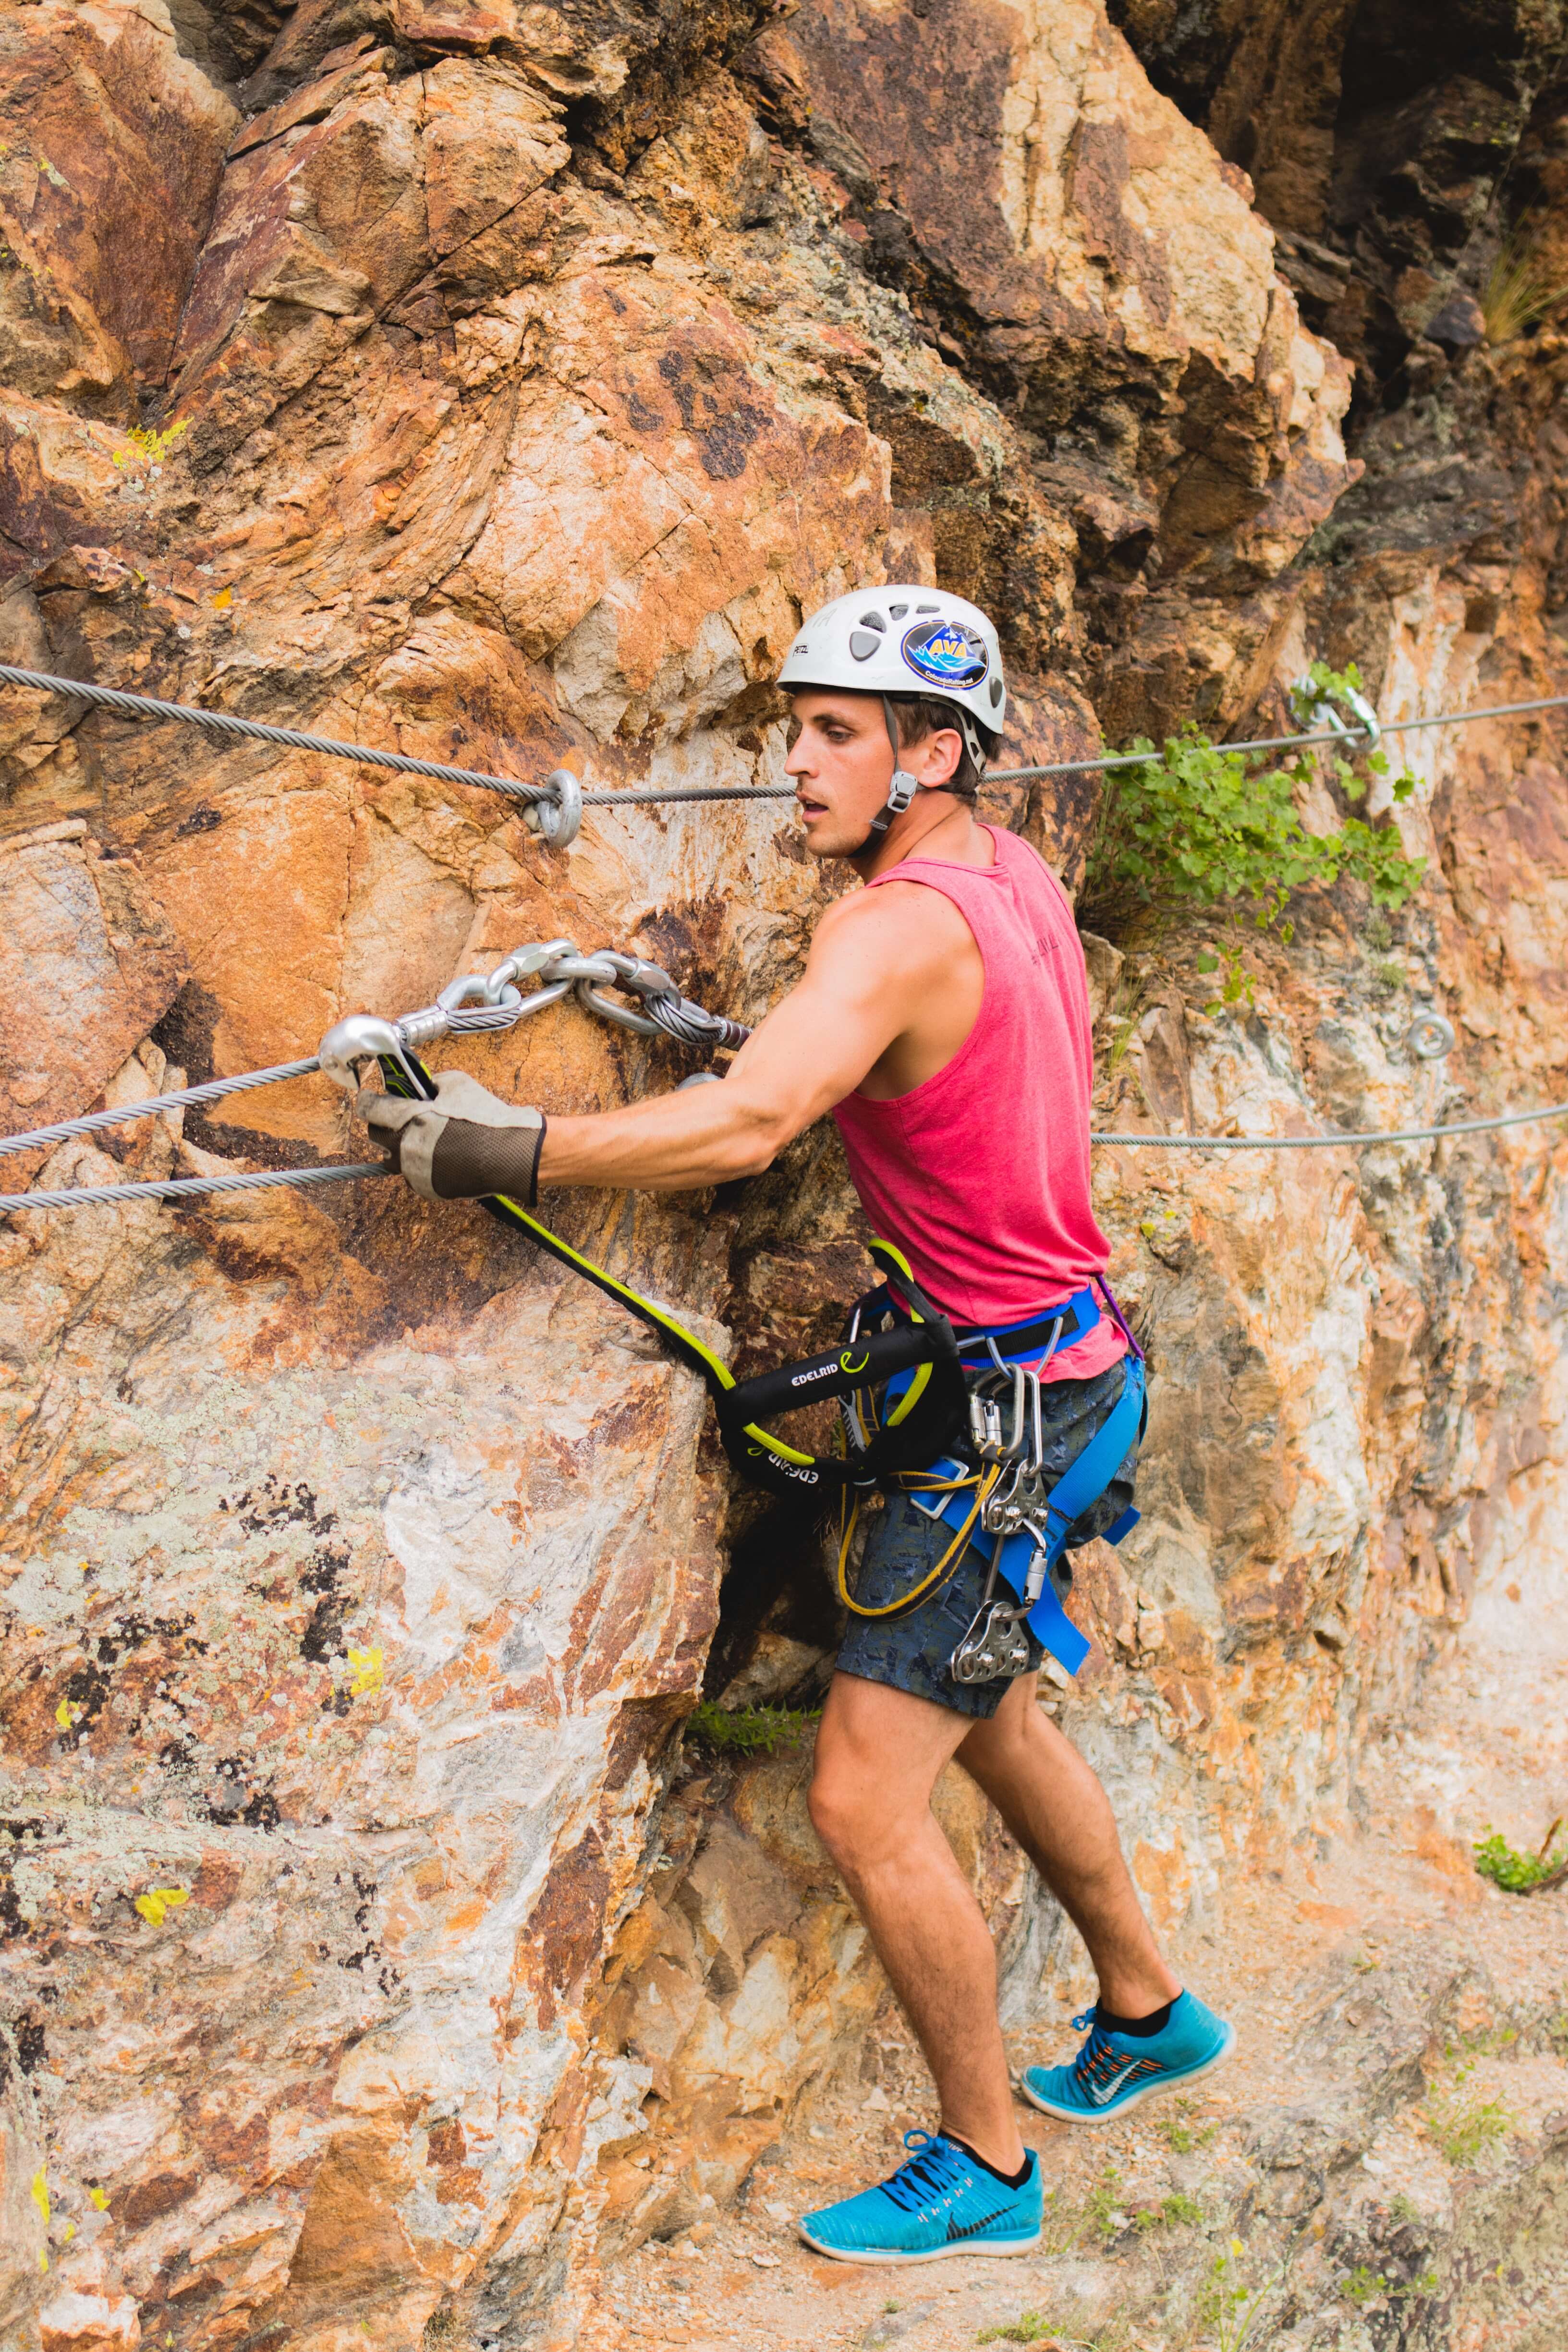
[[1429, 1037], [558, 819]]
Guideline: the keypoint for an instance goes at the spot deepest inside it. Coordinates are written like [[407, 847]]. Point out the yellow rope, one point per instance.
[[983, 1483]]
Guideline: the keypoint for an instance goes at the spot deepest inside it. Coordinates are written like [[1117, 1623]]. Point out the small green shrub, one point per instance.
[[1103, 2214], [1196, 827], [748, 1730], [1027, 2328], [1462, 2129], [1180, 2134], [1521, 1874], [1365, 2285], [1175, 2212], [1179, 2213]]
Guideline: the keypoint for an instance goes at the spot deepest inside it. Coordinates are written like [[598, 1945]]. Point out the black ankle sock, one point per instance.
[[1012, 2179], [1138, 2027]]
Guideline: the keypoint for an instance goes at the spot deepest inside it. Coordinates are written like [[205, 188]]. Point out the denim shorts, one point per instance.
[[911, 1652]]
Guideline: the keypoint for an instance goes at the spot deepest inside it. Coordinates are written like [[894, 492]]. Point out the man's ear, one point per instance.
[[935, 759]]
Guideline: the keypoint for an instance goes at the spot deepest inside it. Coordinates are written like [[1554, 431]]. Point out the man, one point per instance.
[[944, 1020]]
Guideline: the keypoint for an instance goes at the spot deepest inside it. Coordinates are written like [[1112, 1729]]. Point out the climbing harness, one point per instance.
[[1025, 1526], [999, 1503]]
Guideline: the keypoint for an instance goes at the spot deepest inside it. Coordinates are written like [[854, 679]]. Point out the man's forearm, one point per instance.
[[675, 1143]]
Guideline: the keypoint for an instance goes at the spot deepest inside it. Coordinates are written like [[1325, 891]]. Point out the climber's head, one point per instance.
[[902, 684]]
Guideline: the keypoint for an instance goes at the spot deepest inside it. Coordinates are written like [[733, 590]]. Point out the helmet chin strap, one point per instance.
[[900, 791], [903, 786]]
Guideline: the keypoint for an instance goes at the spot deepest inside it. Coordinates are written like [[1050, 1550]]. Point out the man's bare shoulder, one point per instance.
[[895, 910]]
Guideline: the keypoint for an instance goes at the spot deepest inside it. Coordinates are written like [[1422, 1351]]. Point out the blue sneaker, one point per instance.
[[939, 2202], [1113, 2071]]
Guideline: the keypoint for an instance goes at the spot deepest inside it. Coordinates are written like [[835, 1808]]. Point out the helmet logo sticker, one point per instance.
[[946, 653]]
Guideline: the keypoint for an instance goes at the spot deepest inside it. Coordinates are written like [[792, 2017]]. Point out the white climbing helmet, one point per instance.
[[907, 640]]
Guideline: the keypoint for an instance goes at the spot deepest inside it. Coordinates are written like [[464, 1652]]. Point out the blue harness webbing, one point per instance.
[[1081, 1483]]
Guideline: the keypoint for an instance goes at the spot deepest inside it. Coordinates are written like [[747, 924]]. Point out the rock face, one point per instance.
[[499, 385]]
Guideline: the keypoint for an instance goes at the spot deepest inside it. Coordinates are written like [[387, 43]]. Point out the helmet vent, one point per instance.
[[864, 643], [873, 621], [896, 612], [996, 692], [928, 608]]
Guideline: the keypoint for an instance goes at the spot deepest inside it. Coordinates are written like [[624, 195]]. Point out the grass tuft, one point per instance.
[[1518, 293], [747, 1730], [1462, 2129]]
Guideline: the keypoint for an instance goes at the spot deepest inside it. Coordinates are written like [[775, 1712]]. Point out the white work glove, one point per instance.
[[465, 1144]]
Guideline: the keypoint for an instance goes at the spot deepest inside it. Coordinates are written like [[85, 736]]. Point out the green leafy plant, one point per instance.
[[1173, 2213], [1365, 2285], [1518, 293], [1229, 2304], [1103, 2215], [1180, 2134], [1181, 2212], [1197, 826], [1522, 1873], [748, 1730]]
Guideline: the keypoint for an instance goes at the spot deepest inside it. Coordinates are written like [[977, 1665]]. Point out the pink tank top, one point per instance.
[[981, 1173]]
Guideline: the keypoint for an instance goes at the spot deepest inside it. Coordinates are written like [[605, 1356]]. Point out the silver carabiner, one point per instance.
[[644, 979], [362, 1037], [477, 984]]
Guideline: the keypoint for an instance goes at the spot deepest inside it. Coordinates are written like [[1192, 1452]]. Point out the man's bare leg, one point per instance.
[[878, 1752], [1058, 1812]]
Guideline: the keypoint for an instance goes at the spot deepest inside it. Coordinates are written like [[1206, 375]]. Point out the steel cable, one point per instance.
[[180, 1188], [222, 722], [176, 1188], [187, 1099], [1321, 1142]]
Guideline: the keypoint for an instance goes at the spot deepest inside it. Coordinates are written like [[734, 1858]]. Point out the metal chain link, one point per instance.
[[555, 963]]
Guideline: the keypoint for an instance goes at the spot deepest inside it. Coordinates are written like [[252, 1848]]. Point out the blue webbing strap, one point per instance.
[[1083, 1483]]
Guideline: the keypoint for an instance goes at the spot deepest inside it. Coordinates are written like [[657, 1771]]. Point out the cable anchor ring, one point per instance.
[[1429, 1037], [558, 819]]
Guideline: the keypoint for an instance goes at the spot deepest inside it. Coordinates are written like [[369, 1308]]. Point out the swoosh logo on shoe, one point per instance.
[[1102, 2098]]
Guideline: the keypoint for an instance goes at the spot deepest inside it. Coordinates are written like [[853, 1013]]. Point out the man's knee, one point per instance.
[[833, 1813]]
